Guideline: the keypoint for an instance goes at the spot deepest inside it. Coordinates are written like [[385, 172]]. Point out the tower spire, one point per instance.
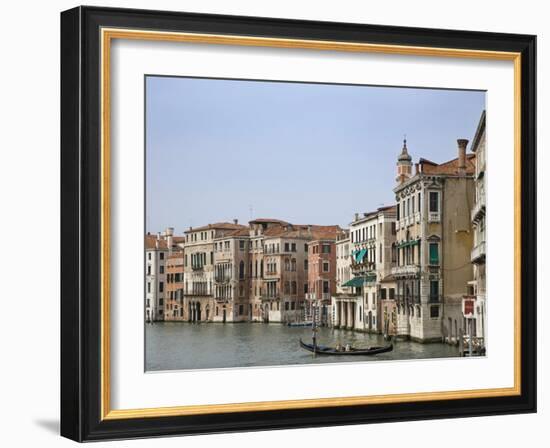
[[404, 163]]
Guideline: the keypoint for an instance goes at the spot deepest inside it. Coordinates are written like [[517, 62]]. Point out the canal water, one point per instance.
[[182, 345]]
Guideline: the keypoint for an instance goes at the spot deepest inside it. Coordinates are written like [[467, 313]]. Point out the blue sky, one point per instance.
[[306, 153]]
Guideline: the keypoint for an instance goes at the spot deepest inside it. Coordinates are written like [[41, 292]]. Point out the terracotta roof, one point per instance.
[[151, 242], [450, 167], [304, 231], [179, 239], [217, 225], [239, 232]]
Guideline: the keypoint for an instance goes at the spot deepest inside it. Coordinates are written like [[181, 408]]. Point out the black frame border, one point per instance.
[[81, 223]]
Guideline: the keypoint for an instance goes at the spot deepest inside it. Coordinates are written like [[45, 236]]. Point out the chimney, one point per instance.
[[169, 232], [416, 169], [235, 221], [462, 143], [357, 217]]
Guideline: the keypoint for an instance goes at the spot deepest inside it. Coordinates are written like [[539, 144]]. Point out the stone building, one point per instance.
[[173, 302], [198, 261], [232, 277], [259, 300], [433, 244], [343, 262], [474, 306], [285, 259], [372, 236]]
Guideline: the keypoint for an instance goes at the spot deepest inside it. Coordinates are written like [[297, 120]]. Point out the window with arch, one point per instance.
[[241, 269]]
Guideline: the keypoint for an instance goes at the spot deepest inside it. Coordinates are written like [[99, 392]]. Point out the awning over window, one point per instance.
[[356, 282], [360, 255], [408, 243], [359, 282]]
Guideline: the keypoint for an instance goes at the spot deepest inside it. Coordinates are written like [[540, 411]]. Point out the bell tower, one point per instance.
[[404, 164]]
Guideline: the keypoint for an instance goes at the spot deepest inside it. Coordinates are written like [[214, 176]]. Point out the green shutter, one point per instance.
[[434, 253]]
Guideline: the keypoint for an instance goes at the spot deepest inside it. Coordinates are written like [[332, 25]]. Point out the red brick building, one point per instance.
[[321, 277], [173, 309]]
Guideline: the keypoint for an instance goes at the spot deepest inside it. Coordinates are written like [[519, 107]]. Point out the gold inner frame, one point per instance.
[[107, 35]]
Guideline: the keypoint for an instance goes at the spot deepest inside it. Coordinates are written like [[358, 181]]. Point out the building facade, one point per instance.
[[173, 302], [232, 277], [321, 279], [475, 306], [199, 301], [372, 236], [286, 266], [262, 302], [157, 250], [433, 244]]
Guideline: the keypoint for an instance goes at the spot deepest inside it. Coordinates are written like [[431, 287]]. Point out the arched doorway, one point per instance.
[[198, 312]]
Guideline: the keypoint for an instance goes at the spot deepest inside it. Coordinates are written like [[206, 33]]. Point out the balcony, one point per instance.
[[479, 209], [197, 267], [222, 278], [434, 217], [269, 297], [478, 253], [197, 294], [406, 271], [315, 296]]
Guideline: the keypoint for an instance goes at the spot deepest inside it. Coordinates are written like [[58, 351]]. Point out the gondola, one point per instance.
[[324, 350]]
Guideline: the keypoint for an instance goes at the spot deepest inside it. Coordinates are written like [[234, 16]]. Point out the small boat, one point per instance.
[[325, 350], [300, 324]]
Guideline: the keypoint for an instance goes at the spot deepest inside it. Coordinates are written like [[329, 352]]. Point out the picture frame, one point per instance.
[[86, 208]]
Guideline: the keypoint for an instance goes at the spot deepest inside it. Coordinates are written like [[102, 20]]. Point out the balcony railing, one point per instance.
[[222, 278], [434, 217], [410, 269], [315, 296], [197, 294], [479, 209], [478, 253], [197, 267]]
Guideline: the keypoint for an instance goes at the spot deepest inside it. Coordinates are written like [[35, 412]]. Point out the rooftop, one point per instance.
[[217, 226], [450, 167]]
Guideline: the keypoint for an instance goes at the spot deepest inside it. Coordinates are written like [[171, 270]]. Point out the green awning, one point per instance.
[[356, 282], [359, 282], [408, 243], [360, 255]]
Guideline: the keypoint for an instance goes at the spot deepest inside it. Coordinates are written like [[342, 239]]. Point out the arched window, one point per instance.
[[241, 269]]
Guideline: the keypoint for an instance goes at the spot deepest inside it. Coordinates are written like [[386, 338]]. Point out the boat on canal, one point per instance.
[[345, 351]]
